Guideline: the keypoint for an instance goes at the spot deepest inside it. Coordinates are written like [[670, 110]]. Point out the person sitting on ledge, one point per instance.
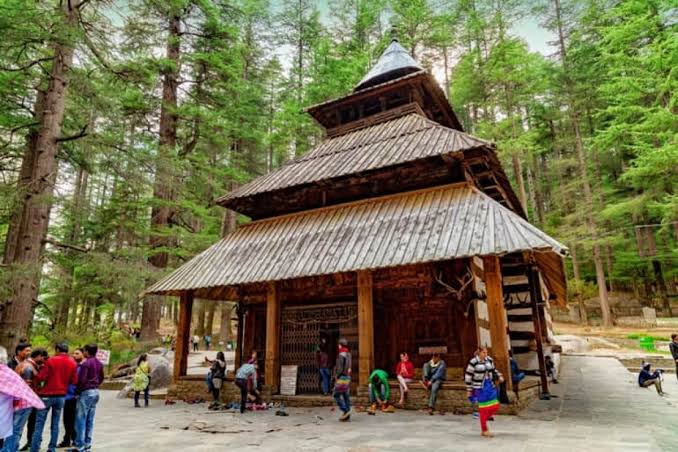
[[647, 378], [379, 391], [516, 375], [435, 372]]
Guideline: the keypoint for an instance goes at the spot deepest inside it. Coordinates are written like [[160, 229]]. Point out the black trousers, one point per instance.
[[69, 420], [136, 396], [242, 384]]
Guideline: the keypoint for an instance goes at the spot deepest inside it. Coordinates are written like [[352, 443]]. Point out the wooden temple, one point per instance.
[[399, 232]]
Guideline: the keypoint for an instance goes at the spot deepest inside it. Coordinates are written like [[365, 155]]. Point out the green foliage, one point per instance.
[[247, 70]]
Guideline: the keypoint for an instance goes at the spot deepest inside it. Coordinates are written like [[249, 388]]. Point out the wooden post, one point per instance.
[[181, 345], [240, 311], [272, 368], [497, 315], [365, 327], [535, 301]]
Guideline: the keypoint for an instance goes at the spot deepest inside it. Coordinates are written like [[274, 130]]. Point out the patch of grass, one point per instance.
[[642, 335]]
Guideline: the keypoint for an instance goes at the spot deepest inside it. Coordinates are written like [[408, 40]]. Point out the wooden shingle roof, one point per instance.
[[441, 223], [403, 139]]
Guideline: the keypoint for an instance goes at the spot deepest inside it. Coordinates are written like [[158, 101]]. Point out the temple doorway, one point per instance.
[[307, 328]]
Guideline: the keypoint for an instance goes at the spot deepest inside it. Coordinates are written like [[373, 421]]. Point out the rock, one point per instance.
[[161, 373]]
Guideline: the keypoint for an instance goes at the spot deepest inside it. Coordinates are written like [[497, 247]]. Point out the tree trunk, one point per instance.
[[24, 251], [200, 321], [72, 239], [225, 331], [209, 320], [163, 188], [538, 191], [518, 175], [589, 207], [575, 262]]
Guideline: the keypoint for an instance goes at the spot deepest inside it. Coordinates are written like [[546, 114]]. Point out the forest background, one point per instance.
[[121, 122]]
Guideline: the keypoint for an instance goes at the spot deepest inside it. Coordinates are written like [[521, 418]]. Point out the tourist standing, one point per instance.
[[218, 371], [28, 369], [246, 373], [434, 374], [323, 367], [551, 370], [21, 352], [479, 378], [142, 380], [91, 377], [70, 405], [405, 375], [208, 341], [342, 382], [196, 343], [16, 401], [673, 346], [52, 383]]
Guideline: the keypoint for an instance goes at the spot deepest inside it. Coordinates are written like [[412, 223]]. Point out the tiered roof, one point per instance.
[[342, 206]]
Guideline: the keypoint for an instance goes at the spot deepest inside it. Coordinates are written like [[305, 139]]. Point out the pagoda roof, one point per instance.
[[406, 138], [392, 64], [435, 224]]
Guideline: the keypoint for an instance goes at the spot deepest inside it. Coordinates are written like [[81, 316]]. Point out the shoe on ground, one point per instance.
[[491, 419], [487, 434], [388, 409], [27, 446], [430, 411], [345, 416], [476, 415], [64, 444]]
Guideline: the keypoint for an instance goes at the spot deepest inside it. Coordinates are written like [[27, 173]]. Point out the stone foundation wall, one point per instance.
[[452, 397]]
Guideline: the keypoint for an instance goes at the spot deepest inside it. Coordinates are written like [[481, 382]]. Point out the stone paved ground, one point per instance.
[[599, 408]]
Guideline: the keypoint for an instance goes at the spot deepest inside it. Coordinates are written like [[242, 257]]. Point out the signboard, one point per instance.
[[442, 349], [104, 356], [288, 380]]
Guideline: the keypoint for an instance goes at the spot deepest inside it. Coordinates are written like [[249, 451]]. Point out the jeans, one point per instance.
[[56, 404], [325, 379], [84, 418], [69, 420], [373, 399], [402, 382], [435, 386], [12, 442], [343, 401], [242, 384]]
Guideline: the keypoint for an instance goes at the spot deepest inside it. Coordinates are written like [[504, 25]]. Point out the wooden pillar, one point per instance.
[[240, 312], [365, 327], [181, 346], [535, 301], [272, 367], [497, 315]]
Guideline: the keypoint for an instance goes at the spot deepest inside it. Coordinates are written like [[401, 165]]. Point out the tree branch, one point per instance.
[[66, 246], [27, 66], [81, 134]]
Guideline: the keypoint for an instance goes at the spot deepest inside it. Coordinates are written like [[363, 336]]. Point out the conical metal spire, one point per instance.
[[393, 63]]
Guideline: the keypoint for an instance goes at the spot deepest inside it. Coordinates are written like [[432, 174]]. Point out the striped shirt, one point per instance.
[[477, 371]]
